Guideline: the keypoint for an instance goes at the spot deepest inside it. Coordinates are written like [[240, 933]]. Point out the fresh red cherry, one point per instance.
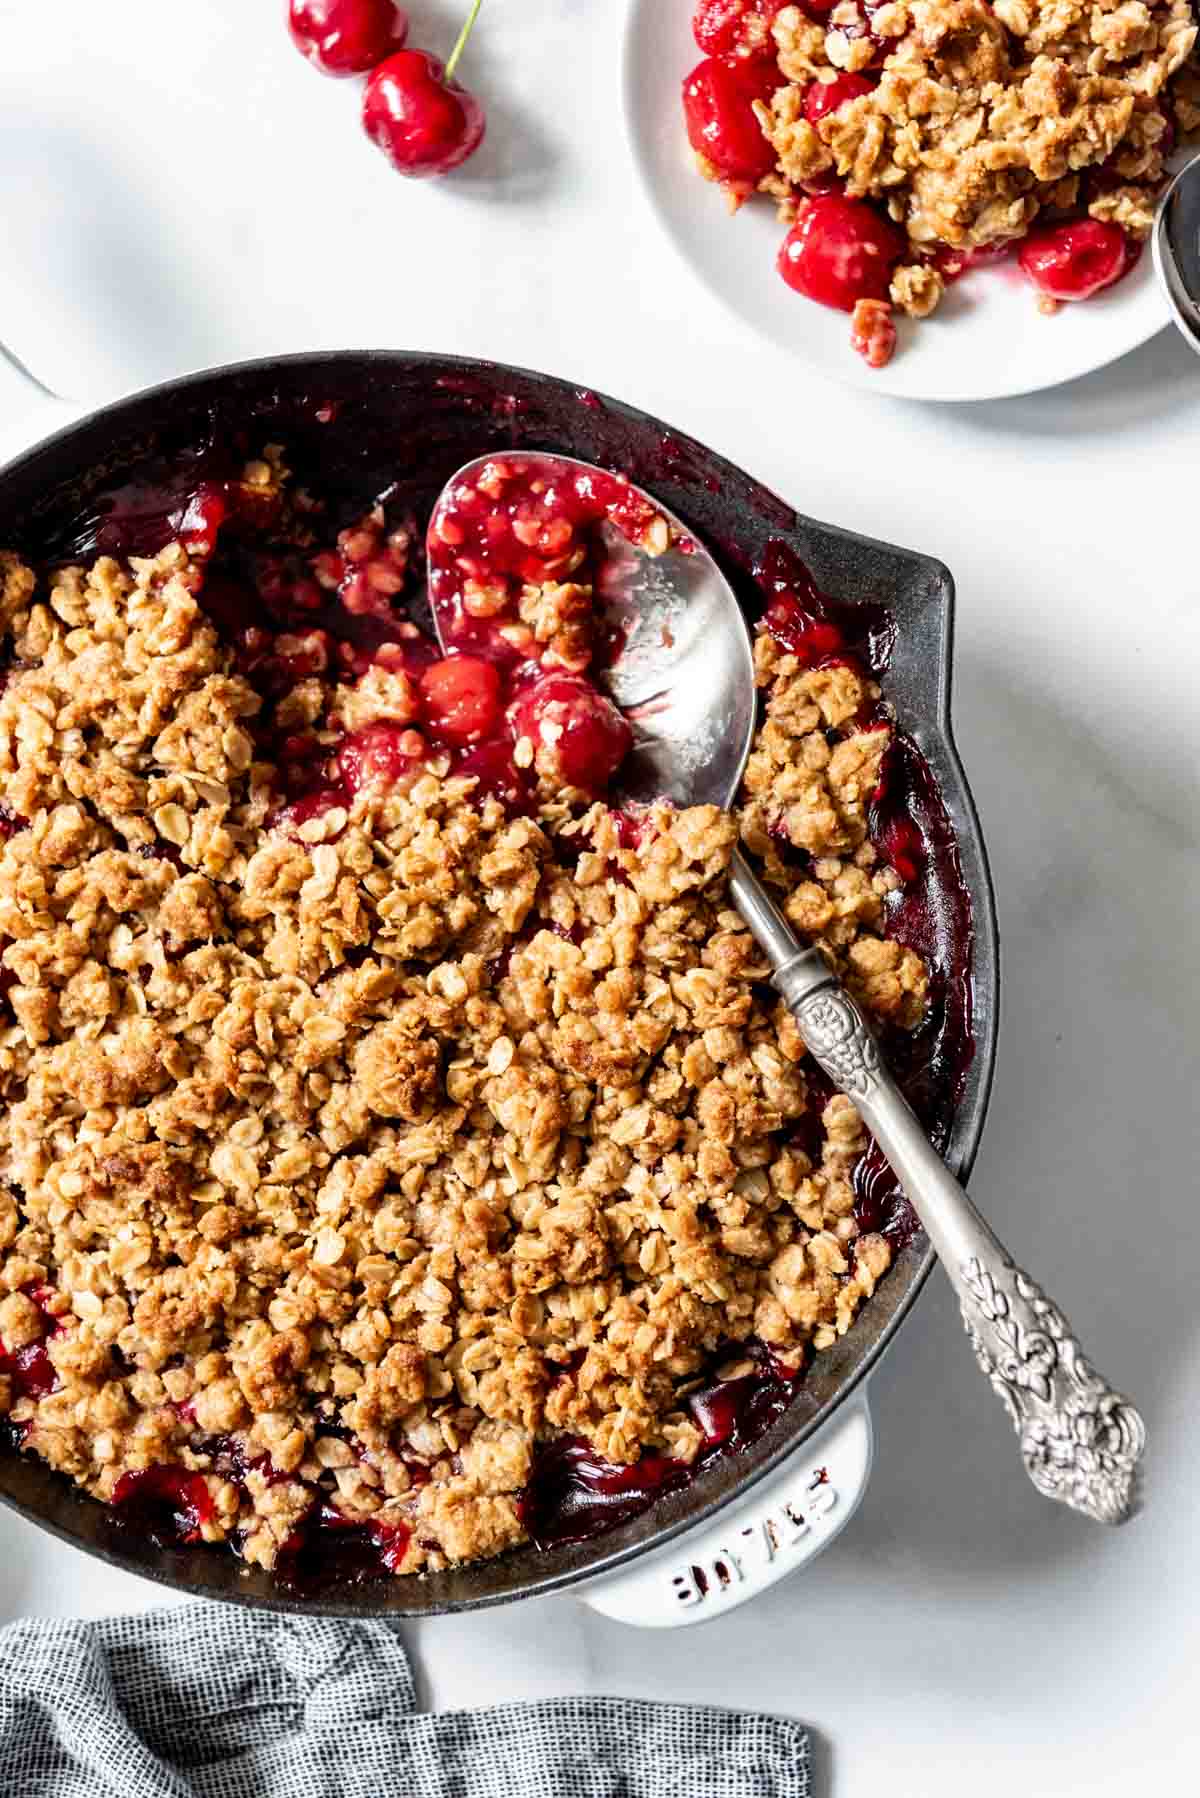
[[718, 105], [579, 737], [1075, 260], [717, 25], [462, 698], [424, 121], [826, 96], [840, 251], [346, 37]]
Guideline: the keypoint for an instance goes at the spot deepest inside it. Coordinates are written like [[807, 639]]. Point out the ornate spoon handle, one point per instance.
[[1082, 1442]]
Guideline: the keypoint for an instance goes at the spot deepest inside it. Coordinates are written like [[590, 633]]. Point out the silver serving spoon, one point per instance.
[[1175, 248], [685, 679]]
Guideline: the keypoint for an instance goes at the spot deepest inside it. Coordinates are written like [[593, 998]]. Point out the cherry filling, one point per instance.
[[169, 1505], [379, 755], [501, 683], [29, 1370], [573, 728], [952, 264], [165, 1505], [188, 503], [813, 627], [573, 1494], [290, 614], [519, 526], [327, 1546], [931, 913], [520, 521], [462, 699], [495, 773]]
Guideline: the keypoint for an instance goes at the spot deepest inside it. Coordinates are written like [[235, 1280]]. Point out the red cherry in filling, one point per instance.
[[491, 765], [346, 37], [423, 120], [840, 251], [802, 632], [717, 25], [1075, 260], [718, 105], [167, 1504], [578, 736], [715, 1409], [826, 96], [378, 755], [29, 1370], [462, 698]]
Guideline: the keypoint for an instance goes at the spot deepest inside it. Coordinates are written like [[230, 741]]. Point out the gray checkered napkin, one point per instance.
[[208, 1701]]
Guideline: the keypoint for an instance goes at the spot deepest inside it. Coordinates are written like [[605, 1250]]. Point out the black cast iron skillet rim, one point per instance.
[[219, 1575]]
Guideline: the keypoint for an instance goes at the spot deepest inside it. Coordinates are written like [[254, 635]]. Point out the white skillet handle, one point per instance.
[[784, 1522]]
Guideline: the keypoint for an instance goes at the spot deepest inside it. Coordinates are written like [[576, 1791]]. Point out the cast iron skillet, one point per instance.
[[416, 418]]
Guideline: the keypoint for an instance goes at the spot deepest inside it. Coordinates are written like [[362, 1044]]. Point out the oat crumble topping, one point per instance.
[[351, 1152]]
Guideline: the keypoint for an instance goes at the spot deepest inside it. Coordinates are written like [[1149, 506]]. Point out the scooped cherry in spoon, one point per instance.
[[683, 676]]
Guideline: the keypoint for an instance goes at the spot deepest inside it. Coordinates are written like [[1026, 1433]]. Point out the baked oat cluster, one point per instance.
[[355, 1147], [907, 140]]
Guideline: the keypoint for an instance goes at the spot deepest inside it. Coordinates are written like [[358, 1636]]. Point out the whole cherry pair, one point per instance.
[[424, 121]]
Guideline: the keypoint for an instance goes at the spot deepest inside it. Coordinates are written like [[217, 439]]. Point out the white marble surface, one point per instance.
[[177, 188]]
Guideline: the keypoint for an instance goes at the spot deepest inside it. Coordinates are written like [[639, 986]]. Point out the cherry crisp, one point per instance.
[[906, 141], [386, 1118]]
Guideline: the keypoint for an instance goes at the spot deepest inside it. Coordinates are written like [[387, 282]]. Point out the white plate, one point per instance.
[[986, 340]]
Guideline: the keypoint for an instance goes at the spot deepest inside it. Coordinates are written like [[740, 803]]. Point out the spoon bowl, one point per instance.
[[681, 668]]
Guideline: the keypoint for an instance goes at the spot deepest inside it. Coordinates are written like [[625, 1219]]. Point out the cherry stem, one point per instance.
[[463, 35]]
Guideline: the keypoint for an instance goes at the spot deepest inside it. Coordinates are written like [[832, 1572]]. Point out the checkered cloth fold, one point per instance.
[[209, 1701]]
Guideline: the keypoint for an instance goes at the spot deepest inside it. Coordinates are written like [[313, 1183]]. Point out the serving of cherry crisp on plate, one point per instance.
[[404, 1154], [906, 141]]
